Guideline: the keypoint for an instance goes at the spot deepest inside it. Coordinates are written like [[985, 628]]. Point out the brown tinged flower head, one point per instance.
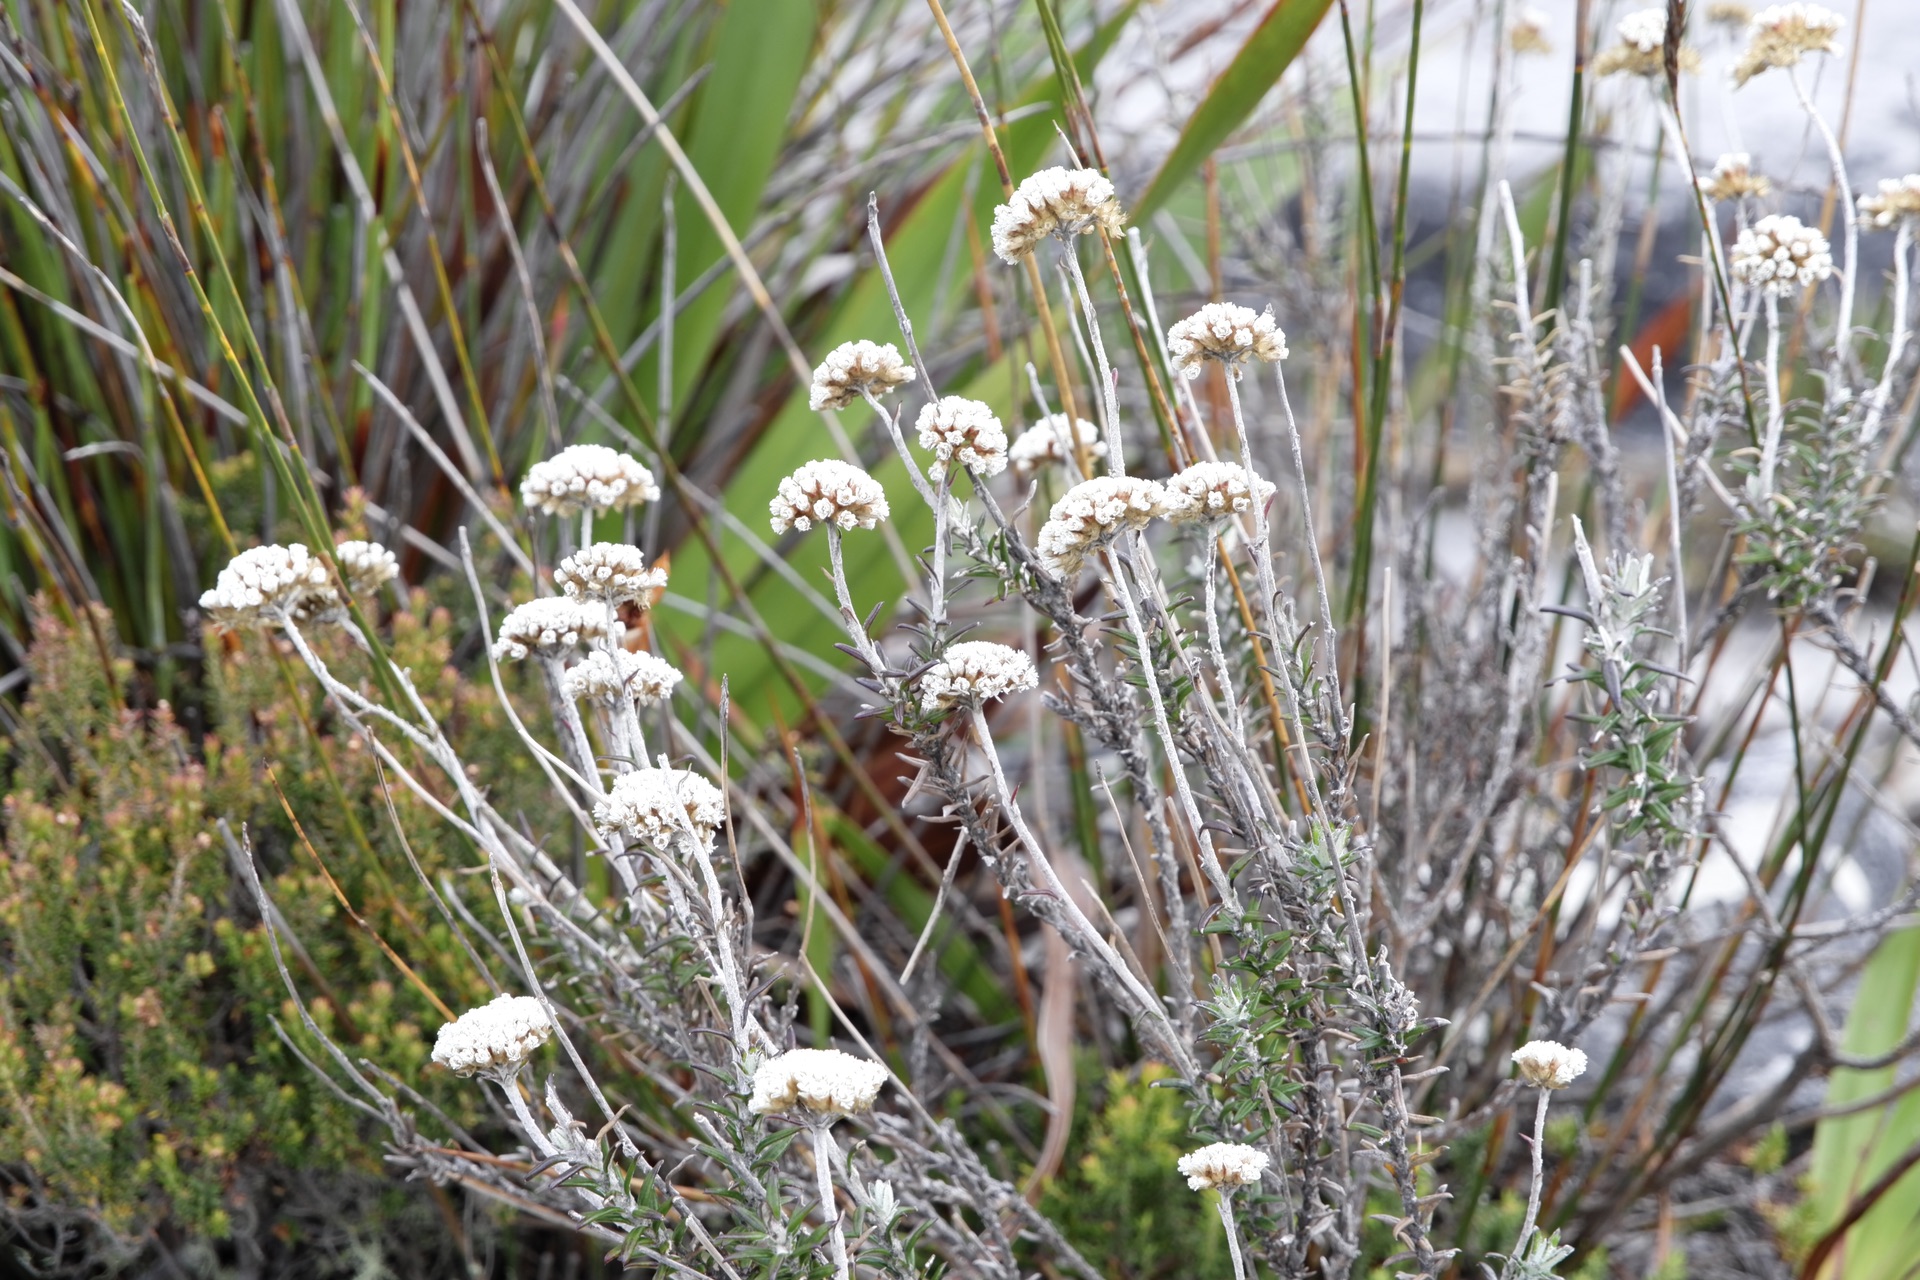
[[1054, 202], [828, 491], [609, 573], [972, 672], [621, 676], [268, 585], [1528, 33], [1223, 1166], [1225, 332], [584, 476], [366, 566], [1779, 253], [853, 369], [1096, 511], [1730, 14], [1733, 178], [1897, 201], [1642, 50], [549, 627], [824, 1083], [1549, 1065], [495, 1039], [659, 808], [1047, 441], [956, 429], [1779, 34], [1215, 491]]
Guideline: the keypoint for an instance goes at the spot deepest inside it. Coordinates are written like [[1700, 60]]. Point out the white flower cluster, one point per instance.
[[1898, 200], [828, 491], [586, 475], [973, 671], [1062, 202], [1225, 332], [825, 1082], [1733, 178], [1549, 1065], [1048, 441], [367, 566], [854, 368], [1216, 490], [496, 1038], [609, 573], [1779, 35], [956, 429], [1642, 47], [1223, 1166], [1779, 253], [547, 626], [612, 678], [267, 585], [1644, 30], [1096, 511], [658, 807]]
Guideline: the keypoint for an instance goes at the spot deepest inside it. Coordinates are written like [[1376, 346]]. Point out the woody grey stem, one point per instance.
[[1233, 1234]]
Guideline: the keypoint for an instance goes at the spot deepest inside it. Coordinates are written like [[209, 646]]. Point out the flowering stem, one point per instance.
[[510, 1086], [1897, 341], [937, 580], [1533, 1193], [920, 485], [1770, 446], [1215, 649], [868, 650], [1233, 1235], [1843, 330], [1110, 406], [823, 1152]]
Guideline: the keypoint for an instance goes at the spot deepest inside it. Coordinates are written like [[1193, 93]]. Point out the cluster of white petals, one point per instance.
[[496, 1038], [1897, 200], [619, 676], [659, 807], [1096, 511], [973, 671], [1779, 35], [1779, 254], [1047, 441], [547, 626], [1549, 1065], [1226, 332], [266, 585], [1733, 178], [1062, 202], [854, 368], [956, 429], [587, 475], [610, 573], [828, 491], [825, 1082], [1223, 1166], [367, 566], [1642, 47], [1216, 490], [1644, 29]]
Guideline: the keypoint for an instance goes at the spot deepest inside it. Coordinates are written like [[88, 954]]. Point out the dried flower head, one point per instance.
[[1730, 14], [1223, 1166], [367, 566], [973, 671], [1096, 511], [495, 1039], [853, 369], [1642, 50], [1779, 254], [609, 573], [586, 475], [828, 491], [660, 807], [267, 585], [1047, 441], [825, 1082], [955, 429], [1549, 1065], [1898, 200], [1054, 202], [1733, 178], [1216, 490], [1528, 34], [1225, 332], [1779, 34], [620, 676], [548, 626]]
